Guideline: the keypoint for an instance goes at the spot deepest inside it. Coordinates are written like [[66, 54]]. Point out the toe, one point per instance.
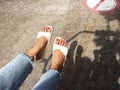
[[43, 29], [60, 42], [49, 29], [57, 41], [46, 29]]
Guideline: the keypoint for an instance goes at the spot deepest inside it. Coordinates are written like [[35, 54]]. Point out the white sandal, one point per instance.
[[63, 49], [46, 34]]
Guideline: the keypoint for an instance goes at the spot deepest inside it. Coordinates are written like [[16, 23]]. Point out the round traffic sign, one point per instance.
[[102, 6]]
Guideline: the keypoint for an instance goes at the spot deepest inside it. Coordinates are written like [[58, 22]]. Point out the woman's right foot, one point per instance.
[[40, 45], [58, 56]]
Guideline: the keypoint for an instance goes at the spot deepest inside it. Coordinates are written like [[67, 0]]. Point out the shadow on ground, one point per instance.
[[79, 73], [112, 17], [101, 74]]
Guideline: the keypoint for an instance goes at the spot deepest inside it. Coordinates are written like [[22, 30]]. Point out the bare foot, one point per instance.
[[58, 56], [39, 46]]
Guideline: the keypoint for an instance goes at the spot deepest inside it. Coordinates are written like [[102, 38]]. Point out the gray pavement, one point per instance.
[[93, 40]]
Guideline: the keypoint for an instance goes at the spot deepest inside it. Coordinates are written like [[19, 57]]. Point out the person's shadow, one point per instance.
[[79, 73], [104, 72]]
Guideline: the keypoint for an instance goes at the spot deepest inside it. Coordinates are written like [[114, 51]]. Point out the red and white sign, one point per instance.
[[102, 6]]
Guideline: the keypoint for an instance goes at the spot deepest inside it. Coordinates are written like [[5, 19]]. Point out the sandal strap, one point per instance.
[[63, 49], [46, 34]]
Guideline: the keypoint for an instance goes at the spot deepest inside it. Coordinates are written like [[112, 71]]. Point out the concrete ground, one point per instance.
[[93, 61]]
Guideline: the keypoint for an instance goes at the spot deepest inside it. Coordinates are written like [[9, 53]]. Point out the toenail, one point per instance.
[[48, 27], [57, 39]]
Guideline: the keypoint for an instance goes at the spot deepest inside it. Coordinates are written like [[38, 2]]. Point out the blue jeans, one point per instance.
[[14, 73]]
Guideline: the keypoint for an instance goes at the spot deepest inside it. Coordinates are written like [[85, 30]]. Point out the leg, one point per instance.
[[14, 73], [49, 80]]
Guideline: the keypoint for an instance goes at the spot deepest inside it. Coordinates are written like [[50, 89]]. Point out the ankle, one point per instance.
[[30, 55], [56, 67]]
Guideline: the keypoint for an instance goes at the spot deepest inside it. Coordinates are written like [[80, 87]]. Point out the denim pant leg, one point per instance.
[[48, 81], [15, 72]]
